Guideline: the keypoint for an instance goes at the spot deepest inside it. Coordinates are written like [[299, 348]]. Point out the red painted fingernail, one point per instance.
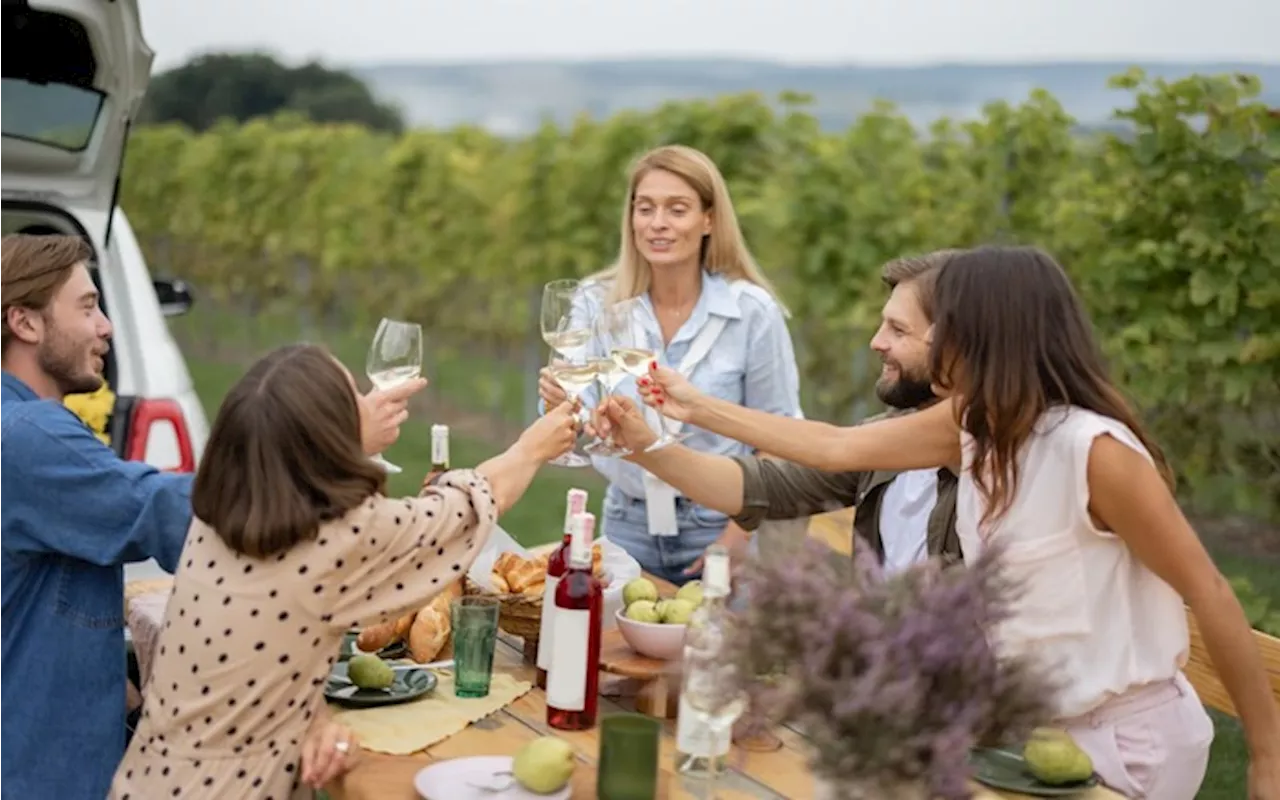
[[653, 365], [658, 400]]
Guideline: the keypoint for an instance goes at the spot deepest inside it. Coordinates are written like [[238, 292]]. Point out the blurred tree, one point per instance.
[[243, 86]]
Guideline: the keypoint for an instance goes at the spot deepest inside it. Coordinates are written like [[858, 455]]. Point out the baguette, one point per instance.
[[373, 639], [432, 626], [402, 627]]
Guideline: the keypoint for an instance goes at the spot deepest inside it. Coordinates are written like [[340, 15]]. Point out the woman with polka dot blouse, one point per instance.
[[293, 542]]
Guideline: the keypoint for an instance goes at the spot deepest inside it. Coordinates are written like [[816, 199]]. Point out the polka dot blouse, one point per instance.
[[247, 643]]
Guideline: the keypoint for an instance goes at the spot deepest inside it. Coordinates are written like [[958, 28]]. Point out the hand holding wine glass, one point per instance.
[[383, 411], [551, 393], [632, 347], [669, 392], [395, 357], [619, 420], [551, 435]]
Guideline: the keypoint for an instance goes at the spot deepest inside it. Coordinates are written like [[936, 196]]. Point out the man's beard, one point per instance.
[[64, 362], [908, 391]]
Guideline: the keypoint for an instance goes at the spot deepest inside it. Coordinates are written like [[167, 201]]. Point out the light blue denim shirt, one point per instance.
[[74, 513], [752, 363]]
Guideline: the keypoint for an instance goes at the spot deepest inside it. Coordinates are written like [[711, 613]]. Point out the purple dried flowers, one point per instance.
[[891, 678]]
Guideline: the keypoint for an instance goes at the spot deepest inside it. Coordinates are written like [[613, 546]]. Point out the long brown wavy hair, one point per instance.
[[1011, 340]]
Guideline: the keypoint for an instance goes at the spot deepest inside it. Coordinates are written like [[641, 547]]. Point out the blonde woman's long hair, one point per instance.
[[724, 250]]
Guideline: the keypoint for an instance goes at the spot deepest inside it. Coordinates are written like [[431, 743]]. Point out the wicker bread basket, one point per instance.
[[518, 614]]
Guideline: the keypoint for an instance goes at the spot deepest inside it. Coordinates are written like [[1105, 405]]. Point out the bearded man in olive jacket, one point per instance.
[[905, 516]]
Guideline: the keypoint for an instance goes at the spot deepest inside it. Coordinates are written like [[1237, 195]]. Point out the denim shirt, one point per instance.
[[752, 363], [73, 514]]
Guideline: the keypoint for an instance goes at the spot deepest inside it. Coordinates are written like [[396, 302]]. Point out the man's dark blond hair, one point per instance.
[[35, 268], [921, 271]]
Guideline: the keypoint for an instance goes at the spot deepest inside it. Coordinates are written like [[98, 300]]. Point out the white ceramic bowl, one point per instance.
[[664, 642]]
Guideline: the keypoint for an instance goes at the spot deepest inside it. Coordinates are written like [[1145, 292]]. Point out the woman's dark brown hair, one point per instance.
[[284, 454], [1012, 339]]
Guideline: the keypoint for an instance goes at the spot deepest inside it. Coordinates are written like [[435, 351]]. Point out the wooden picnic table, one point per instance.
[[782, 774]]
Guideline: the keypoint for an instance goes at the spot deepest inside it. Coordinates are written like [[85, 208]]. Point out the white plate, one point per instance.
[[447, 780]]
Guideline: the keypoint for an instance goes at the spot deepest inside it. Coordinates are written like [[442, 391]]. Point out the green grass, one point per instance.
[[464, 375], [219, 346]]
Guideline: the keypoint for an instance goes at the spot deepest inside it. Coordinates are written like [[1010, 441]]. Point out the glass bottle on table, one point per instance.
[[439, 448], [557, 565], [704, 724], [573, 679]]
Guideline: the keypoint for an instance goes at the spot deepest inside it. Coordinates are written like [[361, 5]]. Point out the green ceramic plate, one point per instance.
[[409, 685], [392, 651], [1001, 769]]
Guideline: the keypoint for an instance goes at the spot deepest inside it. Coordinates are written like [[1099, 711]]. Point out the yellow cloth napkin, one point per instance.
[[406, 728]]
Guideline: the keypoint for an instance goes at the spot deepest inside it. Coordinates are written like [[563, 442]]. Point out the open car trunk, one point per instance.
[[74, 74]]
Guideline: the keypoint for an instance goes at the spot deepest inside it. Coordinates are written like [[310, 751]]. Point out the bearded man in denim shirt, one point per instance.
[[73, 514]]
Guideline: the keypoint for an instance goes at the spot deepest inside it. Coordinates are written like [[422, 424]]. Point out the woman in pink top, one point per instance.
[[1055, 464]]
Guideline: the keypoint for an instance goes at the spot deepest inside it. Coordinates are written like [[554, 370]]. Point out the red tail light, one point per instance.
[[150, 411]]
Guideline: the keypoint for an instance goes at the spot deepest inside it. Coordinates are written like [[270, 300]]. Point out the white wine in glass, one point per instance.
[[573, 378], [568, 335], [632, 350], [567, 343], [394, 357], [609, 375]]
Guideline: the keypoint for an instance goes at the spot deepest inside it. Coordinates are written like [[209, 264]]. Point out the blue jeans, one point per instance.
[[626, 524]]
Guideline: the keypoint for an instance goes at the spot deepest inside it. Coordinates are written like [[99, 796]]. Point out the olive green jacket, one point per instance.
[[783, 490]]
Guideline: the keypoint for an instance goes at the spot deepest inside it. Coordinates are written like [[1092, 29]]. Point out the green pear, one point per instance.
[[643, 611], [638, 589], [367, 671], [691, 591], [677, 611], [1054, 758], [544, 765]]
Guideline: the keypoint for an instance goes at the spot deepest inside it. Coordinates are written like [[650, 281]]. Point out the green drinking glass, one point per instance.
[[629, 747], [475, 634]]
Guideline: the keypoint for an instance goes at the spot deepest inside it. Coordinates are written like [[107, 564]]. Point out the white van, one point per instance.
[[74, 75]]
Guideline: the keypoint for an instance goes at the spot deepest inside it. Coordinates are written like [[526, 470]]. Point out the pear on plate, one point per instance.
[[544, 765]]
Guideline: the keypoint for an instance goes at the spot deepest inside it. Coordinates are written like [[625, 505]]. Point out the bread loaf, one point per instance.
[[402, 626], [429, 634], [374, 638], [432, 625], [514, 574]]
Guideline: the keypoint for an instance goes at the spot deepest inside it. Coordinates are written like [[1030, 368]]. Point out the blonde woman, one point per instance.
[[718, 322]]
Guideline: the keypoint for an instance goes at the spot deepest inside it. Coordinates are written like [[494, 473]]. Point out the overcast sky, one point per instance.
[[802, 31]]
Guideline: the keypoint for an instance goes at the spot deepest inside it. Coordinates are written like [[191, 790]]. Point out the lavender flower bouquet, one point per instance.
[[891, 678]]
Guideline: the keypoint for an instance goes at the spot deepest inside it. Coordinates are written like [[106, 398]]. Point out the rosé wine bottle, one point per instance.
[[574, 677], [557, 565]]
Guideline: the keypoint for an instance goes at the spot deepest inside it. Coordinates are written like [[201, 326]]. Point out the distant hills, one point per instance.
[[514, 97]]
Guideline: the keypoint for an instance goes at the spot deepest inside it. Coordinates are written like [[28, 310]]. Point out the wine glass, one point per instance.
[[394, 357], [633, 347], [567, 331], [608, 374]]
